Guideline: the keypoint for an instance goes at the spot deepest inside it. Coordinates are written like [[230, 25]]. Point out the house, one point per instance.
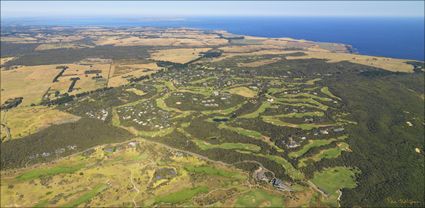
[[132, 144], [324, 132], [292, 143]]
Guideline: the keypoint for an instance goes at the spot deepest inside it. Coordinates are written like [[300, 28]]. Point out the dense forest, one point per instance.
[[29, 57], [59, 141]]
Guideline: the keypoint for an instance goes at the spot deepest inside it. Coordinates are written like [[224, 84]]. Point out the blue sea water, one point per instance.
[[397, 37], [390, 37]]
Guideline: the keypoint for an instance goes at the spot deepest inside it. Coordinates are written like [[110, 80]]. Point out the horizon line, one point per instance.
[[195, 16]]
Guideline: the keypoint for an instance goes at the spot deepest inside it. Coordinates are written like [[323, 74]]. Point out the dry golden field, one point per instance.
[[49, 46], [29, 120], [243, 91], [27, 82], [32, 82], [248, 48], [180, 55], [390, 64], [122, 72], [259, 62]]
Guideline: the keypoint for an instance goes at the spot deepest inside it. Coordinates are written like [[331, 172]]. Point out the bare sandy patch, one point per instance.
[[136, 91], [4, 60]]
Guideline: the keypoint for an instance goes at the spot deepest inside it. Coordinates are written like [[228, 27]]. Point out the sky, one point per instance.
[[13, 9]]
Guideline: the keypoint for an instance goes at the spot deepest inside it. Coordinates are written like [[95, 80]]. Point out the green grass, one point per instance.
[[203, 80], [87, 196], [314, 143], [257, 198], [250, 133], [159, 88], [170, 85], [306, 126], [226, 111], [325, 90], [306, 105], [301, 115], [333, 179], [159, 133], [325, 154], [185, 124], [37, 173], [42, 203], [181, 196], [182, 115], [310, 88], [330, 153], [205, 91], [160, 103], [228, 146], [242, 131], [312, 102], [181, 130], [243, 91], [290, 170], [273, 90], [313, 81], [115, 118], [307, 95], [209, 170], [259, 111]]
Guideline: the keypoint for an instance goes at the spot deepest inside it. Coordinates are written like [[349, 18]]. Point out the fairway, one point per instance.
[[182, 195], [37, 173], [243, 91], [333, 179], [259, 198]]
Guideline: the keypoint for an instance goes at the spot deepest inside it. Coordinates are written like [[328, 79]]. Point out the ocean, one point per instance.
[[397, 37]]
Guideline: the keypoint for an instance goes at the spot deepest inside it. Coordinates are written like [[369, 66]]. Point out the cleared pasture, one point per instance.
[[180, 55], [243, 91], [390, 64], [29, 120]]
